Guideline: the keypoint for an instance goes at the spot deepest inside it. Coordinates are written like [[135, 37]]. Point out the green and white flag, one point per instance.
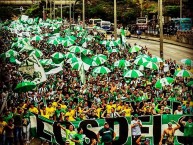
[[32, 70], [82, 74]]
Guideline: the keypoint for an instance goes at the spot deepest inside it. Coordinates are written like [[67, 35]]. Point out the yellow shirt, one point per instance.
[[54, 104], [127, 112], [71, 116], [108, 107], [24, 106], [63, 106], [50, 111], [191, 103], [98, 112], [113, 89], [34, 110], [2, 125], [46, 115], [118, 108]]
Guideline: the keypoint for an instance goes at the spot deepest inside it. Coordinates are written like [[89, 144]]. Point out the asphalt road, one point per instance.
[[170, 51]]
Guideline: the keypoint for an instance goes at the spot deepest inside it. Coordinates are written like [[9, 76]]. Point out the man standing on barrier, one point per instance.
[[169, 132], [188, 130], [136, 125], [107, 134]]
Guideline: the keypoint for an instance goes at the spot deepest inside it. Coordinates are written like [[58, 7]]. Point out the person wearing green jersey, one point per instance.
[[69, 133], [107, 134], [188, 130], [79, 137]]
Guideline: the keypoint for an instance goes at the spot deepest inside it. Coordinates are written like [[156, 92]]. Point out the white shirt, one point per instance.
[[178, 112], [137, 129]]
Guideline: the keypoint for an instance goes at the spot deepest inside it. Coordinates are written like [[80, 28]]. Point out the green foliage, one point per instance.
[[34, 11], [172, 11]]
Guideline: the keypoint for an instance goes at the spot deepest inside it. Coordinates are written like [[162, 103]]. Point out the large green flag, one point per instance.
[[86, 59], [32, 70]]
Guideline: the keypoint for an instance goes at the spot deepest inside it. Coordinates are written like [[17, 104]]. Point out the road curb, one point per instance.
[[173, 43]]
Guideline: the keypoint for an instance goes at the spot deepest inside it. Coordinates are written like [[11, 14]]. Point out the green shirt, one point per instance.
[[172, 99], [188, 128], [79, 137], [8, 117], [69, 136], [107, 134], [57, 112]]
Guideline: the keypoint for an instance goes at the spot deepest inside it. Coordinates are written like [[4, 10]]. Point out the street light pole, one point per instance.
[[115, 19], [50, 9], [54, 10], [83, 13], [46, 4], [73, 14], [70, 11], [161, 28], [141, 5], [180, 8], [61, 9]]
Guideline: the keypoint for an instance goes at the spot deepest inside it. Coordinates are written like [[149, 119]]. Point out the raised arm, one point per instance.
[[178, 125], [61, 126], [162, 136], [183, 122]]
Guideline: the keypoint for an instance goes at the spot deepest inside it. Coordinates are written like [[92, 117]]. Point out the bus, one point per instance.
[[93, 22], [106, 25], [142, 23], [183, 24]]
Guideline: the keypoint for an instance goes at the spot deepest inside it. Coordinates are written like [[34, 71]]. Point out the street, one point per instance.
[[170, 51]]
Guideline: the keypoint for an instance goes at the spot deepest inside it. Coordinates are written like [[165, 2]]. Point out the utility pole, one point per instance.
[[141, 6], [46, 4], [180, 8], [50, 9], [115, 19], [70, 15], [54, 10], [73, 13], [83, 13], [161, 29], [61, 9]]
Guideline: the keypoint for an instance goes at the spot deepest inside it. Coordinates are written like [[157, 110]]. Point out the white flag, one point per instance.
[[82, 74]]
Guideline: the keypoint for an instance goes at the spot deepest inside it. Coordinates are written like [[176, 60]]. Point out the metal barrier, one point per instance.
[[30, 2]]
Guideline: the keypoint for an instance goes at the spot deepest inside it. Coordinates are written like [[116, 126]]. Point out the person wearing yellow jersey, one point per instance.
[[109, 106], [98, 110], [33, 109], [70, 113], [113, 87], [50, 110], [118, 107], [128, 110], [44, 113], [55, 104], [63, 105], [2, 133]]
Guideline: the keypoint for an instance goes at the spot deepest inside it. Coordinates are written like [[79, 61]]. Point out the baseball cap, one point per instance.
[[105, 123], [136, 115], [169, 123], [147, 140]]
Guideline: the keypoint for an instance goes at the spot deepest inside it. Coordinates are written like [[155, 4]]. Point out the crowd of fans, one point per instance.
[[62, 97]]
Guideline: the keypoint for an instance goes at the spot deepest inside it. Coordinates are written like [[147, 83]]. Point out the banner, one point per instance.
[[32, 70], [153, 127]]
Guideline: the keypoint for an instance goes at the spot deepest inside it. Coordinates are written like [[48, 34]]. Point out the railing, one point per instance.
[[30, 2]]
